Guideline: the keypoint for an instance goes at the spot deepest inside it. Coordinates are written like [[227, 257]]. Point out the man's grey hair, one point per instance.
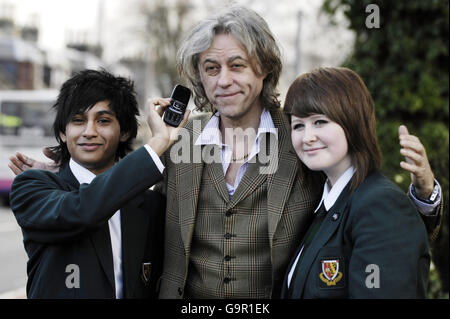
[[252, 31]]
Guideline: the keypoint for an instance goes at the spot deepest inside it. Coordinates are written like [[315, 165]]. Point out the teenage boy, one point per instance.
[[93, 229]]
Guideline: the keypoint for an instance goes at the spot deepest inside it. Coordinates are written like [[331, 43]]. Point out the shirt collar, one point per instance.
[[330, 196], [211, 133], [82, 174]]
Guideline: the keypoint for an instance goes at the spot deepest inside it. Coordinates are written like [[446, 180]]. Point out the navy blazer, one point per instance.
[[371, 244], [65, 224]]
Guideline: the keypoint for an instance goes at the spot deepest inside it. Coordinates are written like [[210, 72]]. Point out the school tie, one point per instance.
[[318, 219]]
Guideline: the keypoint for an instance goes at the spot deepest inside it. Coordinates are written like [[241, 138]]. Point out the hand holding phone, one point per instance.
[[174, 113], [163, 135]]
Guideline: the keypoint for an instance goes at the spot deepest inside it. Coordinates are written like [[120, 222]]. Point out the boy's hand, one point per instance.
[[163, 135]]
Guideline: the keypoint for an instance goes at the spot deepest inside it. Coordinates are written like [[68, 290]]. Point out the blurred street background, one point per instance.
[[13, 275], [400, 49]]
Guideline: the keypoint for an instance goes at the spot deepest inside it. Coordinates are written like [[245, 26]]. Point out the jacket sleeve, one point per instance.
[[433, 221], [161, 186], [390, 256], [49, 213]]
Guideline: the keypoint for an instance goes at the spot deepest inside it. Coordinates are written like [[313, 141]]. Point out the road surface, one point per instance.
[[13, 259]]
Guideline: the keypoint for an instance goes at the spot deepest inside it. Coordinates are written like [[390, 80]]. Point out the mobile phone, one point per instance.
[[179, 100]]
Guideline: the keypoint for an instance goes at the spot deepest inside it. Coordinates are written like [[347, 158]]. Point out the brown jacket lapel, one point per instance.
[[189, 177], [281, 181]]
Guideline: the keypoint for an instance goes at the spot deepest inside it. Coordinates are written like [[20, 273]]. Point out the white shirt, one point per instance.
[[329, 197], [155, 158], [211, 135], [84, 176]]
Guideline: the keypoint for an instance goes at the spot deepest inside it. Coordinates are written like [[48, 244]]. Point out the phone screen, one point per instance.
[[181, 94]]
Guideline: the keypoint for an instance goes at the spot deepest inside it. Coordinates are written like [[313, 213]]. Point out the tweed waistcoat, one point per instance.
[[230, 251]]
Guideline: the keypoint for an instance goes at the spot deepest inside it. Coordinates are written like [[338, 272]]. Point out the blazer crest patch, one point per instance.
[[330, 272]]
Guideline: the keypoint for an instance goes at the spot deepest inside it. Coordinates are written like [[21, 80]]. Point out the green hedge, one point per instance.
[[405, 66]]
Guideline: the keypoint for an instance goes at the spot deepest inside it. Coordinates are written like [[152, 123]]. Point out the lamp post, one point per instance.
[[298, 45]]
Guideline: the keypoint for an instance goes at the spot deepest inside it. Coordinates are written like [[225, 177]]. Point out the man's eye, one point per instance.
[[104, 121], [211, 69]]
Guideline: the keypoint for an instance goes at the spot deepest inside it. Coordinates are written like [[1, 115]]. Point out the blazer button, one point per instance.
[[226, 280], [335, 217], [228, 213], [180, 291], [228, 236]]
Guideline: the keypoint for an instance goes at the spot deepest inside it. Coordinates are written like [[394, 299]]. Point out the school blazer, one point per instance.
[[65, 224], [372, 244]]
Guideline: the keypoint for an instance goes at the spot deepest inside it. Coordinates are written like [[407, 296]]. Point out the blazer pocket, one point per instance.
[[330, 270]]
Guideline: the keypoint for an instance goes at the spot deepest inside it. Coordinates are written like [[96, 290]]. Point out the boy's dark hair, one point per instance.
[[83, 91]]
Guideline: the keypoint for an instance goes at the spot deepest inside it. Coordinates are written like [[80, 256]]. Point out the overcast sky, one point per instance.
[[56, 19]]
